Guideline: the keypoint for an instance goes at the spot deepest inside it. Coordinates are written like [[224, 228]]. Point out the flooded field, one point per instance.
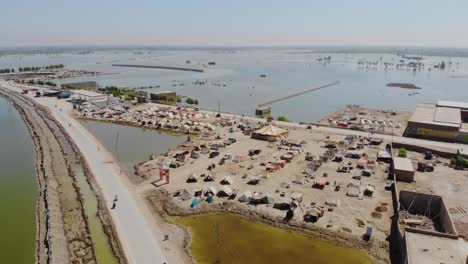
[[243, 241], [131, 145]]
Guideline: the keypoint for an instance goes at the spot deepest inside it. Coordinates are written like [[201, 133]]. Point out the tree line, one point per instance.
[[49, 67], [7, 70]]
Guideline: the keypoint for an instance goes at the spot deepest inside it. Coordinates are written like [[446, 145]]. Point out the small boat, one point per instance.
[[263, 75], [211, 63]]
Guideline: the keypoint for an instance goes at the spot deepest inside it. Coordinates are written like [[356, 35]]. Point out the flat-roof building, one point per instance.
[[404, 170], [445, 121]]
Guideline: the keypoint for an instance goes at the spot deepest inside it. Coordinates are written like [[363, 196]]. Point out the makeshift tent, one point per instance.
[[320, 182], [225, 192], [238, 158], [245, 197], [353, 190], [211, 190], [297, 196], [209, 178], [269, 133], [185, 195], [362, 163], [282, 204], [369, 191], [253, 180], [194, 203], [333, 201], [227, 180], [192, 178], [267, 199]]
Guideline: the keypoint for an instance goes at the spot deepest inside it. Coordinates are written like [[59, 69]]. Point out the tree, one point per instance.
[[402, 153], [282, 118]]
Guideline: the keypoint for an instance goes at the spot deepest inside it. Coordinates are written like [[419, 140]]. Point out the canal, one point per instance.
[[17, 188]]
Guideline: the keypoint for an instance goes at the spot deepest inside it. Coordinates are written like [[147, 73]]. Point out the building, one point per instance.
[[446, 121], [404, 170], [86, 95], [430, 235]]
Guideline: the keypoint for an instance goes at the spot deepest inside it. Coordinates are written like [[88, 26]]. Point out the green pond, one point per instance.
[[244, 241], [17, 188]]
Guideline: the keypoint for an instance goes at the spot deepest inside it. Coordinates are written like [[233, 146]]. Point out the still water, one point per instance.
[[243, 241], [236, 84], [131, 145], [17, 188]]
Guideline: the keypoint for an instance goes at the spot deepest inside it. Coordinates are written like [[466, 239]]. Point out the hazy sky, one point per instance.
[[234, 22]]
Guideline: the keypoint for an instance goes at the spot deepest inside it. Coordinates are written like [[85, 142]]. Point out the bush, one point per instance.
[[282, 118], [354, 127], [459, 161], [402, 153]]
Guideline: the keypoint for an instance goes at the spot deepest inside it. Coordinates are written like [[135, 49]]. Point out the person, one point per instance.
[[115, 198], [113, 205]]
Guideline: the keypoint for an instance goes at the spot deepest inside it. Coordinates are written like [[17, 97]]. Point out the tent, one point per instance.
[[267, 199], [282, 204], [269, 133], [320, 182], [211, 190], [362, 163], [297, 196], [185, 195], [333, 201], [369, 191], [353, 190], [253, 180], [225, 192], [192, 178], [227, 180], [245, 197]]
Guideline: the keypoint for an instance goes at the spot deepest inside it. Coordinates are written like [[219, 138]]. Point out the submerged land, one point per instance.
[[329, 185]]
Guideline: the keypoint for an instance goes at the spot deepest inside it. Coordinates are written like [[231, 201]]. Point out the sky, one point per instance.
[[431, 23]]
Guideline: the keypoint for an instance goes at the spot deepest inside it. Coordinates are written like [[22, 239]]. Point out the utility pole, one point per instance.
[[219, 108], [218, 253]]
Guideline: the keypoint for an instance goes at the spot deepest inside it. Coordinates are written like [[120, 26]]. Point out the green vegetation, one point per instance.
[[402, 153], [7, 70], [49, 67], [354, 127], [282, 118], [191, 101], [459, 161], [162, 99], [127, 94], [75, 87], [49, 83]]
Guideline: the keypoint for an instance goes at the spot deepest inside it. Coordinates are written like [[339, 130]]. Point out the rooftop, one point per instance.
[[427, 114], [430, 249], [87, 93], [403, 164], [452, 104]]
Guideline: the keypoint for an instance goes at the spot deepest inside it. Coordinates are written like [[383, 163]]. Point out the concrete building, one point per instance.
[[404, 170], [89, 95], [446, 121], [430, 235]]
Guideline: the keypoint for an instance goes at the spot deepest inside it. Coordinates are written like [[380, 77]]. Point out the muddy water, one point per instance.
[[17, 188], [243, 241], [101, 245], [130, 145]]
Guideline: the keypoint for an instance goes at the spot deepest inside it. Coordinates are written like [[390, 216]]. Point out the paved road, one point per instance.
[[139, 237]]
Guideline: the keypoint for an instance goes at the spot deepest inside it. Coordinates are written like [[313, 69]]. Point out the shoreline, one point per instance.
[[43, 199], [165, 207]]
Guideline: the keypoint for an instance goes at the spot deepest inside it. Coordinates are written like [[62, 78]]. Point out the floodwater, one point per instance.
[[17, 188], [131, 145], [243, 241], [236, 84]]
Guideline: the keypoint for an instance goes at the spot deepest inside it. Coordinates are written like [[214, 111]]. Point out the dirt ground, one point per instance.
[[354, 115], [352, 215]]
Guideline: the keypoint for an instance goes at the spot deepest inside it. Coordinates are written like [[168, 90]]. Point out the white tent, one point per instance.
[[193, 178], [225, 191], [297, 196], [333, 201], [211, 190], [185, 195], [227, 180], [245, 197]]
